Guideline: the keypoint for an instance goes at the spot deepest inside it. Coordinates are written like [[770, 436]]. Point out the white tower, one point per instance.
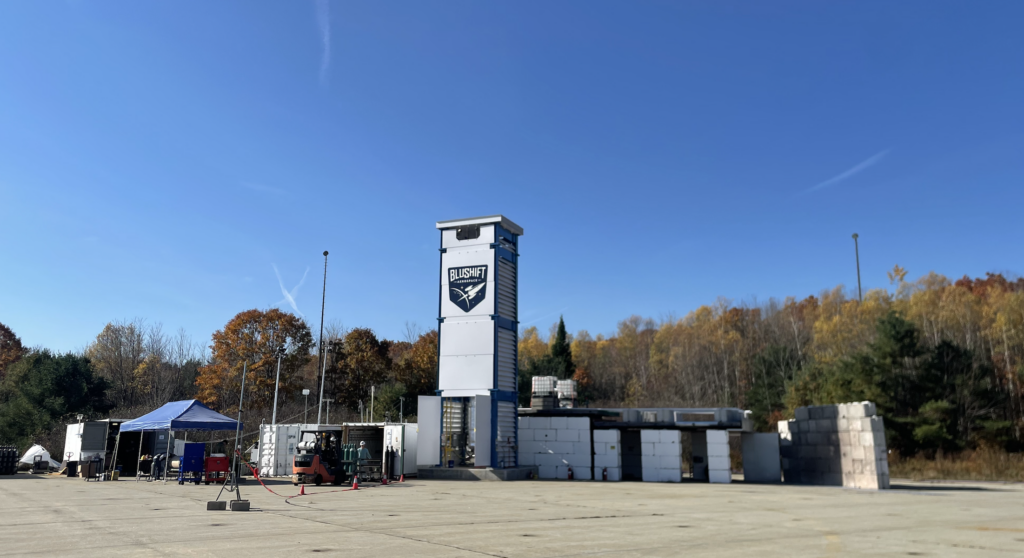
[[477, 361]]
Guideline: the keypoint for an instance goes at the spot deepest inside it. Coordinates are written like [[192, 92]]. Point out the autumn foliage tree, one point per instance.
[[252, 339], [357, 362], [11, 349]]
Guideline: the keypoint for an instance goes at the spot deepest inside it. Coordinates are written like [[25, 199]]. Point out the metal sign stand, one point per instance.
[[238, 504]]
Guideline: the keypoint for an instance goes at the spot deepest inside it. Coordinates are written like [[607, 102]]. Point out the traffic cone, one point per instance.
[[355, 482], [383, 480], [302, 490], [401, 478]]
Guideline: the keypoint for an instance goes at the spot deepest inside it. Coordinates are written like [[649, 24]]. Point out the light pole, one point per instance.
[[401, 410], [371, 402], [323, 379], [856, 251], [328, 401], [277, 381], [320, 346], [305, 408]]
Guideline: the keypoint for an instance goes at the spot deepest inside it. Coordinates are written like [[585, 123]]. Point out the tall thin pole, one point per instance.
[[323, 378], [277, 383], [371, 403], [238, 427], [856, 250]]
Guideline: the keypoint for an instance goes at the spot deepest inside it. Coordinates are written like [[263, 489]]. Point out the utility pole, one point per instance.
[[856, 250], [277, 382], [323, 379]]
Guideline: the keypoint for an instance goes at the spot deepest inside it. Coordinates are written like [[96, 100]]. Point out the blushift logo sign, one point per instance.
[[467, 286]]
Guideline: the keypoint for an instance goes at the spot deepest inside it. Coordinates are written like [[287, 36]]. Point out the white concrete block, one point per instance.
[[525, 435], [547, 471], [614, 474], [718, 450], [668, 462], [867, 438], [608, 436], [529, 446], [581, 448], [670, 475], [718, 464], [719, 477], [600, 448], [556, 447], [647, 449], [561, 472], [559, 423], [527, 459], [801, 413], [783, 426], [869, 408], [670, 436], [578, 423], [578, 459], [546, 434], [650, 436], [650, 474], [582, 473], [607, 461], [566, 435], [815, 412], [548, 459], [540, 423], [717, 437], [524, 422], [661, 448]]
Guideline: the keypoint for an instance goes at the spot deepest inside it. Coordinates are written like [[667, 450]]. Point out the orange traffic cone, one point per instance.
[[383, 480], [401, 478], [355, 482], [302, 490]]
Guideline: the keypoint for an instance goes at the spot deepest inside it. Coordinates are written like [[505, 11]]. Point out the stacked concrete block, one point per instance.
[[719, 466], [607, 454], [661, 455], [556, 444], [835, 445]]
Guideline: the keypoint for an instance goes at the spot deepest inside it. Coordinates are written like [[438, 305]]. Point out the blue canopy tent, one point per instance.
[[177, 415]]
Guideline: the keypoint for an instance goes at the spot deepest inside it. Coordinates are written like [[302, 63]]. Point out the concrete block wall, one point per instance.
[[554, 444], [661, 457], [836, 445], [608, 454], [719, 466]]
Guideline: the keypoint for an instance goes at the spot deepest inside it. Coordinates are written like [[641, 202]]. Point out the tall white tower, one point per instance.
[[477, 361]]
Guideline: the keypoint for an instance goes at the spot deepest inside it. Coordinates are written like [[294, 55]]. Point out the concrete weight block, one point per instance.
[[719, 477], [801, 413], [560, 448], [650, 436], [581, 447], [524, 422], [717, 437], [669, 462], [718, 450], [545, 435], [559, 423], [650, 474], [783, 426], [666, 449], [600, 448], [670, 475], [525, 434], [547, 471], [647, 449], [566, 435], [527, 459], [608, 436], [614, 474], [669, 436], [540, 423], [718, 464], [607, 461]]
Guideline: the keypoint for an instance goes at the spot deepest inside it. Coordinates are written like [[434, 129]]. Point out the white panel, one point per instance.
[[73, 442], [428, 430], [474, 372], [467, 337], [483, 431], [411, 449], [451, 242]]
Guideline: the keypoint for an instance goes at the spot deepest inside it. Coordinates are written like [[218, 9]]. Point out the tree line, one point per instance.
[[944, 360]]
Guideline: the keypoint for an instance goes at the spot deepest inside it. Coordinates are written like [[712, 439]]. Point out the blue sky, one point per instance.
[[159, 159]]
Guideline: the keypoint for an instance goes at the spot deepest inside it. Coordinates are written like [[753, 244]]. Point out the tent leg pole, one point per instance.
[[138, 462], [167, 456], [113, 460]]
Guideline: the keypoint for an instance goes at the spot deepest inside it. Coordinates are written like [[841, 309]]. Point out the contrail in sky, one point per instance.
[[869, 162], [323, 19], [289, 297]]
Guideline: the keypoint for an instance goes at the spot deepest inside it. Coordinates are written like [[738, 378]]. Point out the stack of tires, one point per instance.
[[8, 460]]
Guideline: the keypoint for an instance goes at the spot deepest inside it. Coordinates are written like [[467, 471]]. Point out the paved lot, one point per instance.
[[61, 516]]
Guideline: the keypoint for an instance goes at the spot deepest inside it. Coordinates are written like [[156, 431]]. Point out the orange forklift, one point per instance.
[[318, 458]]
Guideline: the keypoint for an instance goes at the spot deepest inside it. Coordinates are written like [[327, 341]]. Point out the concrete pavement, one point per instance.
[[61, 516]]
